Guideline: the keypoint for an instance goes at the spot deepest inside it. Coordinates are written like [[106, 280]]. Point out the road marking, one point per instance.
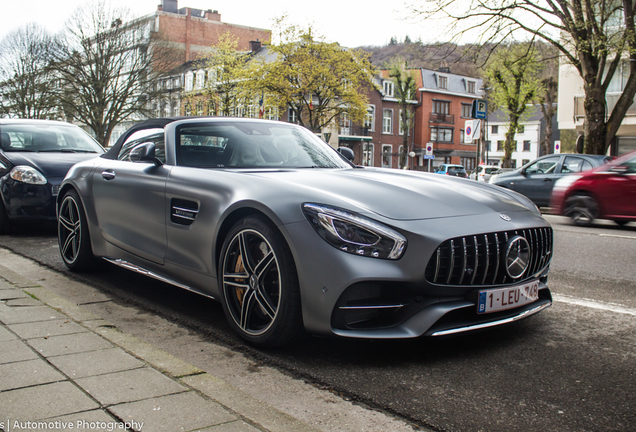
[[617, 236], [595, 304]]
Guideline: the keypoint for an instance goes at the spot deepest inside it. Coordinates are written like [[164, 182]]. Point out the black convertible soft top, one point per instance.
[[146, 124]]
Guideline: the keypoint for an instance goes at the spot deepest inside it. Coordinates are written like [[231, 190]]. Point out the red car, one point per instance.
[[606, 192]]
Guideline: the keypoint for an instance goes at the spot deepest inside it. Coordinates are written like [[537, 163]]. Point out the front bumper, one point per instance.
[[362, 297], [27, 202]]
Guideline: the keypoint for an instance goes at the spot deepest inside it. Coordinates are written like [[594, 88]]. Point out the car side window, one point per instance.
[[543, 166], [573, 165], [631, 166], [156, 138]]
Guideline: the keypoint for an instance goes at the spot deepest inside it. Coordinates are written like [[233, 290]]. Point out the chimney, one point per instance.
[[255, 45], [171, 6], [213, 15]]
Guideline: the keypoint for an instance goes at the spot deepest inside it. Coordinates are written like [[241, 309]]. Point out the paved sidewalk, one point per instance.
[[63, 368]]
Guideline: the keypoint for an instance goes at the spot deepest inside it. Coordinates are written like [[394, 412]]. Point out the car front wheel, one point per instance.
[[73, 238], [259, 284], [582, 209]]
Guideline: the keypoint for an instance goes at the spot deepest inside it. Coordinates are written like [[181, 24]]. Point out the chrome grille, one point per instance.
[[478, 259]]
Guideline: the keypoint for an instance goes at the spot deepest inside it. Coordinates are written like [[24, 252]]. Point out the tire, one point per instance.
[[73, 237], [582, 209], [621, 222], [261, 300]]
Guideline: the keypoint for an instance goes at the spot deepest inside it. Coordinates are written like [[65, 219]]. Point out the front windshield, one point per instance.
[[43, 137], [241, 144]]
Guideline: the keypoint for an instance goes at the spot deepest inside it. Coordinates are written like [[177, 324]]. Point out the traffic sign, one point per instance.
[[480, 109]]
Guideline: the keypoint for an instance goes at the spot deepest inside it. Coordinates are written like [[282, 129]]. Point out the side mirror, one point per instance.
[[145, 152], [347, 153]]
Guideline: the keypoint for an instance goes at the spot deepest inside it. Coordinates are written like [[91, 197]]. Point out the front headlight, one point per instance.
[[27, 174], [355, 234]]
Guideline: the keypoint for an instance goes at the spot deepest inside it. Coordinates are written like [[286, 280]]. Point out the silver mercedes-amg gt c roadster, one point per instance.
[[292, 238]]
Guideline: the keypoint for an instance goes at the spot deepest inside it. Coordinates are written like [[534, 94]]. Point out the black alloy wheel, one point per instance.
[[72, 231], [582, 209], [259, 284]]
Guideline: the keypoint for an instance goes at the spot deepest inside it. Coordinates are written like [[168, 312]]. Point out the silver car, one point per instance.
[[291, 238]]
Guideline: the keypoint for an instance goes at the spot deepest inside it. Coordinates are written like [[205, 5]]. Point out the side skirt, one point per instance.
[[129, 266]]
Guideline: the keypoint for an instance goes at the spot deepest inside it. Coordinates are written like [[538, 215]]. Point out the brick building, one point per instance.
[[194, 31], [443, 104]]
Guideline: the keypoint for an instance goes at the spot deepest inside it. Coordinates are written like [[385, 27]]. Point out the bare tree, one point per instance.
[[596, 36], [25, 76], [108, 67]]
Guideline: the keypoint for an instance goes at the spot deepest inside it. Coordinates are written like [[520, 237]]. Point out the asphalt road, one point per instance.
[[570, 368]]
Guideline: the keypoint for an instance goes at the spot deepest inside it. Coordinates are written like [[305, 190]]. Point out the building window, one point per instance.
[[494, 129], [387, 121], [521, 129], [345, 124], [200, 79], [441, 107], [471, 86], [292, 117], [189, 77], [176, 111], [488, 145], [388, 88], [187, 110], [461, 136], [200, 108], [467, 110], [401, 124], [387, 156], [443, 135], [525, 161], [500, 145], [369, 118], [367, 154], [526, 146], [442, 82]]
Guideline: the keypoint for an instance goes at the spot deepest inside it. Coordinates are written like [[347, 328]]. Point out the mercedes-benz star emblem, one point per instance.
[[505, 217], [517, 257]]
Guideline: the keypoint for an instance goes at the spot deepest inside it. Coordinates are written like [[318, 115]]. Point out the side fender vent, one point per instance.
[[183, 212]]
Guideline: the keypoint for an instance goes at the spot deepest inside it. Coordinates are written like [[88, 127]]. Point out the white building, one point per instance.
[[527, 139], [572, 114]]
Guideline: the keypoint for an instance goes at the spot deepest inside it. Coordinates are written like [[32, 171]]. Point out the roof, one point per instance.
[[456, 83], [532, 114]]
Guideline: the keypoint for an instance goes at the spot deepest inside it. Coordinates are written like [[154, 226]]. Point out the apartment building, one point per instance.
[[571, 113], [527, 140]]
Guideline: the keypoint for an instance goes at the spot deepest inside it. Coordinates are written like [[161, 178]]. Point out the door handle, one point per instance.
[[108, 174], [547, 179]]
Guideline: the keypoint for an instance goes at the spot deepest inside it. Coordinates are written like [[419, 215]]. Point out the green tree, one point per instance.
[[404, 81], [224, 89], [596, 37], [513, 72], [26, 79], [317, 81]]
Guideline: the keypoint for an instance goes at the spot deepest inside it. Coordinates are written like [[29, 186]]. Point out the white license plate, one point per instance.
[[507, 298]]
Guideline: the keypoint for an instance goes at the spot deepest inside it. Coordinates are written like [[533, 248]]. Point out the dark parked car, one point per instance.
[[290, 236], [606, 192], [536, 179], [452, 170], [35, 155]]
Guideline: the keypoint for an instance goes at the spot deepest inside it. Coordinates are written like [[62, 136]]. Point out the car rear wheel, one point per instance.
[[582, 209], [73, 238], [259, 284]]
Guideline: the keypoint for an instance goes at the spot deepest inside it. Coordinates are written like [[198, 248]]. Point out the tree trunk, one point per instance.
[[595, 126]]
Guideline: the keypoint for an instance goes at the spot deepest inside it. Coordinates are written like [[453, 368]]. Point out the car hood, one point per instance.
[[403, 195], [50, 164]]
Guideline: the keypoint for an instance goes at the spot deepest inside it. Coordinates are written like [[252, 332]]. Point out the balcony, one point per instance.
[[610, 98], [442, 118], [354, 134]]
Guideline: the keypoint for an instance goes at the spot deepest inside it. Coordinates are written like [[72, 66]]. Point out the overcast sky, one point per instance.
[[352, 23]]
